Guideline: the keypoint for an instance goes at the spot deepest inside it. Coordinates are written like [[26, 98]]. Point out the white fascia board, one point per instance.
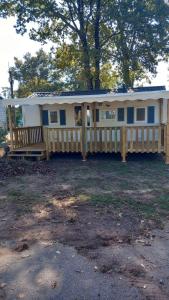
[[110, 97]]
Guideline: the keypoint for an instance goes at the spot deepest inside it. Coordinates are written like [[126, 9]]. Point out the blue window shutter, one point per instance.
[[120, 114], [130, 115], [62, 117], [151, 114], [97, 115], [45, 119]]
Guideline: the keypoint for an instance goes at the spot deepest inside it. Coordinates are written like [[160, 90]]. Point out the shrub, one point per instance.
[[3, 133]]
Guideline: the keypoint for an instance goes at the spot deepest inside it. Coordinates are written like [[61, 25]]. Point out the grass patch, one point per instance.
[[145, 209], [163, 202], [23, 201]]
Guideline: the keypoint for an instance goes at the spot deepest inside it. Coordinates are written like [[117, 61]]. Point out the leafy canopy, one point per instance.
[[132, 35], [55, 71]]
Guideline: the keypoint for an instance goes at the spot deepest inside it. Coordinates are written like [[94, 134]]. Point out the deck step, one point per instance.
[[39, 156], [27, 152]]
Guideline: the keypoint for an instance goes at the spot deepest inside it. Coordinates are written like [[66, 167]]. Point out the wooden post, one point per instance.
[[42, 131], [160, 110], [83, 137], [45, 136], [10, 126], [123, 140], [29, 136], [94, 126], [166, 138]]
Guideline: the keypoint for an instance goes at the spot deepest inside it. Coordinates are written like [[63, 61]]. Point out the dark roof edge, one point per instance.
[[100, 92]]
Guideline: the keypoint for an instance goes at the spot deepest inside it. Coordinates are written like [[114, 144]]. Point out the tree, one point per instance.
[[59, 69], [143, 36], [78, 20], [131, 34], [35, 73]]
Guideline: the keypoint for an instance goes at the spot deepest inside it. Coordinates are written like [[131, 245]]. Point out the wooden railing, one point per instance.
[[145, 139], [25, 136], [106, 139], [63, 139], [103, 139], [100, 139]]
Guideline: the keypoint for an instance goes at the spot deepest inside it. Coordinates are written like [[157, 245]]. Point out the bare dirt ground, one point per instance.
[[93, 230]]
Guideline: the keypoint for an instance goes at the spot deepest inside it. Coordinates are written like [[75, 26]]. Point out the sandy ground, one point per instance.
[[49, 270], [98, 230], [58, 272]]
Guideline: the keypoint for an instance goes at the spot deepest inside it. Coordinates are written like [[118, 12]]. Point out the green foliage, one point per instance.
[[108, 76], [3, 133], [59, 69], [35, 73], [133, 35], [141, 38]]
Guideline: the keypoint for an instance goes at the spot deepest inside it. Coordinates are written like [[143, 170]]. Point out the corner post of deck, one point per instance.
[[167, 136], [83, 135], [46, 141], [10, 126], [123, 141], [94, 126]]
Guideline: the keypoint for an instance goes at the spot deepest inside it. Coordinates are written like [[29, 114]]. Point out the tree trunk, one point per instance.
[[126, 75], [86, 63], [97, 45], [85, 46]]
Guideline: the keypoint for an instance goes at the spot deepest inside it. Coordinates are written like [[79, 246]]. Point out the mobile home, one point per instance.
[[91, 122]]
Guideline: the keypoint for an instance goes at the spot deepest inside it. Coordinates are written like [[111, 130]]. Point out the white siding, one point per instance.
[[3, 119], [164, 111], [31, 115], [70, 118], [135, 104]]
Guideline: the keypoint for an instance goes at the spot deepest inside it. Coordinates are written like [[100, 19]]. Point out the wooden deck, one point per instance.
[[37, 151]]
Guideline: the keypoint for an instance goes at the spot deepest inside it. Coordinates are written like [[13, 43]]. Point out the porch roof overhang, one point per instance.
[[110, 97]]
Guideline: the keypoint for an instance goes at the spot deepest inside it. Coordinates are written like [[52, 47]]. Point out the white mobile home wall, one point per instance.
[[32, 113], [3, 118]]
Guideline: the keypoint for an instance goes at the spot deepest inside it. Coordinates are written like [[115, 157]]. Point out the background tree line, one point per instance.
[[98, 42]]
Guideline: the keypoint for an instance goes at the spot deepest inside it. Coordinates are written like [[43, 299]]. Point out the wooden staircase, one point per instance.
[[36, 151]]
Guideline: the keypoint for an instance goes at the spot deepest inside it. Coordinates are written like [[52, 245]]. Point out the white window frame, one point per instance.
[[49, 112], [135, 113], [109, 110]]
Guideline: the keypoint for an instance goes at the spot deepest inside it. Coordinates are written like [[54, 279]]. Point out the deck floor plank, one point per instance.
[[31, 148]]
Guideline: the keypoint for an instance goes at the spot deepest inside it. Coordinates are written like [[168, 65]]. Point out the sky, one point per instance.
[[13, 44]]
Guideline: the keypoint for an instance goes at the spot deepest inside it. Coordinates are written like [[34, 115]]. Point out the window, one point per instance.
[[53, 117], [108, 115], [97, 115], [62, 117], [140, 114], [78, 116], [88, 115], [130, 115], [120, 114]]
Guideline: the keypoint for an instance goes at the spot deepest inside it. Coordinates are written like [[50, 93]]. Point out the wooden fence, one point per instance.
[[63, 139], [145, 139], [100, 139], [25, 136], [106, 139]]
